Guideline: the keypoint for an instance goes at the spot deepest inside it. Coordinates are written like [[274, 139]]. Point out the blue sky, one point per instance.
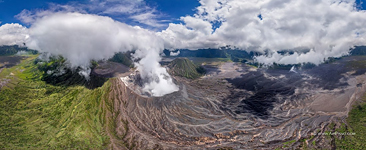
[[167, 10], [10, 8], [164, 11], [175, 8], [325, 26]]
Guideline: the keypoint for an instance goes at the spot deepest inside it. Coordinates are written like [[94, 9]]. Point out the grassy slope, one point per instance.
[[123, 58], [11, 50], [356, 123], [69, 77], [36, 115], [185, 68]]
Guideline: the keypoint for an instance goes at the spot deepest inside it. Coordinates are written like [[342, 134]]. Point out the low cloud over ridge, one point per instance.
[[328, 27], [81, 38]]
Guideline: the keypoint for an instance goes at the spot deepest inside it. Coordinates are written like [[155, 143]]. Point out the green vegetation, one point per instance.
[[56, 72], [37, 115], [356, 123], [185, 68], [123, 58], [288, 143], [359, 64], [331, 60], [358, 50], [304, 142], [351, 135], [11, 50], [206, 53], [234, 55]]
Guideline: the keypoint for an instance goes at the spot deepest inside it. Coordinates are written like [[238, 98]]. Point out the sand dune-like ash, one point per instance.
[[256, 109]]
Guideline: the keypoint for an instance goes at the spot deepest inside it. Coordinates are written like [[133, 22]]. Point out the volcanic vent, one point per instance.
[[251, 108]]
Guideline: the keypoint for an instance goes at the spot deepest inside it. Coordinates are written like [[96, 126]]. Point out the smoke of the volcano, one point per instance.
[[81, 38]]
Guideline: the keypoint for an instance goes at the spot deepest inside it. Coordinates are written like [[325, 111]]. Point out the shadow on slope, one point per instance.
[[56, 72], [10, 61]]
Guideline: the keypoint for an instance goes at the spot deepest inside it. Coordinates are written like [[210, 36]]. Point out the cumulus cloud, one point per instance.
[[81, 38], [174, 53], [13, 34], [328, 27]]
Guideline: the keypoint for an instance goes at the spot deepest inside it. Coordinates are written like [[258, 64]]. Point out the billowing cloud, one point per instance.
[[174, 53], [328, 27], [81, 38], [13, 34]]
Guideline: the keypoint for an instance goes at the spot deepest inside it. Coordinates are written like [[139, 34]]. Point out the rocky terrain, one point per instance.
[[7, 62], [241, 107], [233, 105]]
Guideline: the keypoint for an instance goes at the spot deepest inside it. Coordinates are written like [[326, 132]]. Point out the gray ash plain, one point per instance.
[[242, 107]]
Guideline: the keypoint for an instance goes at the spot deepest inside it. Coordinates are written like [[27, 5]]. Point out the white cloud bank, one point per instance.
[[81, 38], [328, 27], [13, 34]]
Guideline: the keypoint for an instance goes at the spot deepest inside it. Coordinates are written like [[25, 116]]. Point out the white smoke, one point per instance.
[[328, 27], [81, 38], [157, 76]]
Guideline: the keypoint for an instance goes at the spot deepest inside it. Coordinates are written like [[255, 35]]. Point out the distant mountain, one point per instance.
[[234, 55], [183, 67], [123, 58], [358, 50], [12, 50], [243, 56]]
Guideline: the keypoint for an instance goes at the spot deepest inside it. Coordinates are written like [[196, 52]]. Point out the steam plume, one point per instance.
[[81, 38]]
